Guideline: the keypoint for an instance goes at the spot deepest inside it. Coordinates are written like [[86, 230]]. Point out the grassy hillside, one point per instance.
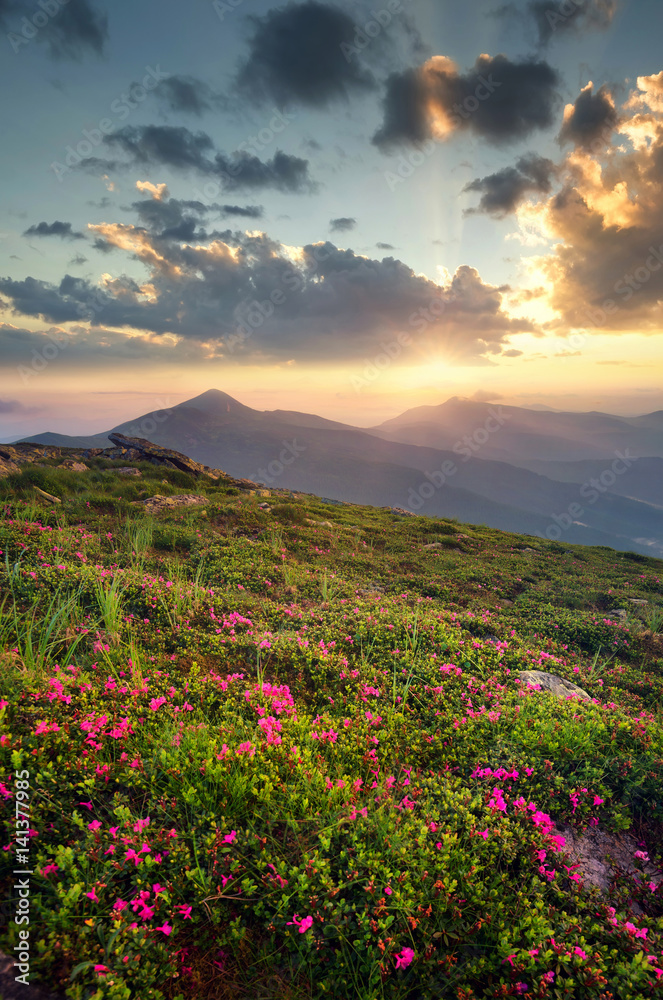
[[277, 748]]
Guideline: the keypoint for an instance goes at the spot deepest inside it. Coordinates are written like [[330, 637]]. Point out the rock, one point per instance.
[[598, 854], [551, 683], [434, 545], [73, 466], [128, 471], [157, 503], [634, 600], [162, 455], [11, 990], [7, 467], [399, 512]]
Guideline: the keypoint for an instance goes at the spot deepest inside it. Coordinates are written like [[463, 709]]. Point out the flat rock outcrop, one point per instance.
[[164, 456]]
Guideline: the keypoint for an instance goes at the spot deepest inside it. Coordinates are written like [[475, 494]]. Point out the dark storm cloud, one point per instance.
[[342, 225], [179, 148], [296, 56], [593, 117], [72, 29], [502, 192], [61, 229], [497, 99]]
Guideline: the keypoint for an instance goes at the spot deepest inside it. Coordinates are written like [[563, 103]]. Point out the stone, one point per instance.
[[157, 503], [551, 683], [8, 467], [128, 471], [73, 466], [600, 854], [163, 456]]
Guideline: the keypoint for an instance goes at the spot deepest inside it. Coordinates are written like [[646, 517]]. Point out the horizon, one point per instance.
[[337, 208], [83, 430]]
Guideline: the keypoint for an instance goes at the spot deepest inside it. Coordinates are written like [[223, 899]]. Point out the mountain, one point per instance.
[[527, 434], [433, 460]]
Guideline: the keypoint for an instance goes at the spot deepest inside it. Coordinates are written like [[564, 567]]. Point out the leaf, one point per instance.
[[80, 968]]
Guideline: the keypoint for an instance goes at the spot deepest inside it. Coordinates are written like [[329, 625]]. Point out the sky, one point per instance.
[[341, 208]]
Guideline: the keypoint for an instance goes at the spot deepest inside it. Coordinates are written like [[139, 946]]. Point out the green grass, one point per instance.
[[313, 737]]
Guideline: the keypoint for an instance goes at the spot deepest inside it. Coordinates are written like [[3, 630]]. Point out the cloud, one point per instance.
[[342, 225], [296, 56], [78, 260], [181, 149], [250, 298], [73, 31], [498, 100], [502, 192], [61, 229], [11, 406], [606, 224], [245, 211], [188, 95], [564, 16], [592, 118], [484, 396], [384, 246]]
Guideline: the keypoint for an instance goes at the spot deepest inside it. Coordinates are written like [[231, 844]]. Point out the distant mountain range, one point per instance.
[[587, 478]]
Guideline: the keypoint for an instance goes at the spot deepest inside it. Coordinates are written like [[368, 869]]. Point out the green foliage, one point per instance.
[[270, 758]]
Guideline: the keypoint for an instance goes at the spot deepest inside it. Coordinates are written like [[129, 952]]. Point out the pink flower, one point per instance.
[[156, 703], [101, 970], [47, 869], [230, 837], [185, 911], [120, 904], [404, 958], [304, 923], [598, 801], [93, 896], [579, 952], [94, 825], [484, 833], [165, 929]]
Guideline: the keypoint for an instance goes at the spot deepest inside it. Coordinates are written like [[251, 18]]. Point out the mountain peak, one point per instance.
[[214, 401]]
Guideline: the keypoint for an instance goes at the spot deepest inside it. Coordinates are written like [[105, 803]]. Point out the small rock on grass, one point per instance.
[[558, 686]]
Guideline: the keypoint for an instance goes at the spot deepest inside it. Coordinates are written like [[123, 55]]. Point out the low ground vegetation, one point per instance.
[[282, 751]]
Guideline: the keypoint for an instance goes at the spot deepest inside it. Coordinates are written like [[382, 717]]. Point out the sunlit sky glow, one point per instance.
[[473, 192]]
